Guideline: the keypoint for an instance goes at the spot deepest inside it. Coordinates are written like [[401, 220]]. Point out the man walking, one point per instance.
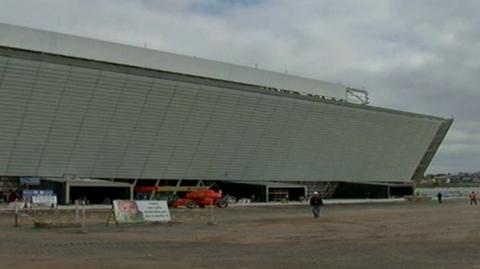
[[439, 197], [473, 198], [316, 202]]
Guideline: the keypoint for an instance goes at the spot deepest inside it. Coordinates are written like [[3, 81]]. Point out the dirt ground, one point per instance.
[[390, 235]]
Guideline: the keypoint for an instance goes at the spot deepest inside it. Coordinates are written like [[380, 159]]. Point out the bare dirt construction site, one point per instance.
[[388, 235]]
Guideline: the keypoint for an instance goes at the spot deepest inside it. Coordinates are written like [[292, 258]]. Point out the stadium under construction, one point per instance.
[[95, 119]]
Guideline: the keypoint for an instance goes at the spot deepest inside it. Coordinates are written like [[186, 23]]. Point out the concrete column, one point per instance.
[[67, 193]]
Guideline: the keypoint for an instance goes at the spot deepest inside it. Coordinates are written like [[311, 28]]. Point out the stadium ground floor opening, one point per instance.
[[372, 190], [264, 191], [98, 191], [94, 191], [67, 190]]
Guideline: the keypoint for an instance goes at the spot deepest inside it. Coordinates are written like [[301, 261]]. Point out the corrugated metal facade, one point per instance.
[[59, 118], [29, 39]]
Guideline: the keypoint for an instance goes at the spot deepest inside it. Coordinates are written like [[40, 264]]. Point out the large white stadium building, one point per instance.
[[75, 108]]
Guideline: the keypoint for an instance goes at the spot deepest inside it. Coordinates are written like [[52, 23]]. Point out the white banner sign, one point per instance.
[[128, 211], [45, 200]]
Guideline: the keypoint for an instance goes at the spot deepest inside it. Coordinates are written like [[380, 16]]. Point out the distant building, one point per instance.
[[443, 179]]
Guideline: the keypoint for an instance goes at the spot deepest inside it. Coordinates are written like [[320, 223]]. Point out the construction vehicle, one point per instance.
[[202, 198], [167, 193]]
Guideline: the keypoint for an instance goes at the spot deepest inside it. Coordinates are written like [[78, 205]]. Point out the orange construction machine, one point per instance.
[[202, 198]]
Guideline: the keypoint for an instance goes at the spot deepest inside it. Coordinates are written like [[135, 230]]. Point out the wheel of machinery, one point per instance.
[[222, 203], [191, 204]]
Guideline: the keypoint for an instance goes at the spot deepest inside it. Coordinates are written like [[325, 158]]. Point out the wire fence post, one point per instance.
[[84, 229], [211, 214], [16, 215], [77, 213]]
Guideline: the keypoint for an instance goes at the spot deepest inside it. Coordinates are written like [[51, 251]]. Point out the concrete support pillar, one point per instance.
[[67, 193]]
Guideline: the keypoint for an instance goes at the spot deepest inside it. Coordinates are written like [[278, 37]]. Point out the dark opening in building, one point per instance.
[[264, 191], [372, 190]]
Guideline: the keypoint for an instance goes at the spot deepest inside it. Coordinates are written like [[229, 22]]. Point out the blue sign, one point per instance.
[[31, 193], [29, 181]]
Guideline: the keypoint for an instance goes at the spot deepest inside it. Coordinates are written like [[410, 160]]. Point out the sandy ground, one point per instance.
[[393, 235]]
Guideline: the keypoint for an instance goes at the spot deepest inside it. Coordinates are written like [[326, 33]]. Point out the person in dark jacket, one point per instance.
[[316, 202], [13, 196], [439, 197]]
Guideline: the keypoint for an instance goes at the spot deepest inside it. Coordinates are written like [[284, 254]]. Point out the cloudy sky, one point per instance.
[[420, 56]]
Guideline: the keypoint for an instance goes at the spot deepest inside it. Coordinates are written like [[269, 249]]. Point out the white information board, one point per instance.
[[130, 211], [45, 200]]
